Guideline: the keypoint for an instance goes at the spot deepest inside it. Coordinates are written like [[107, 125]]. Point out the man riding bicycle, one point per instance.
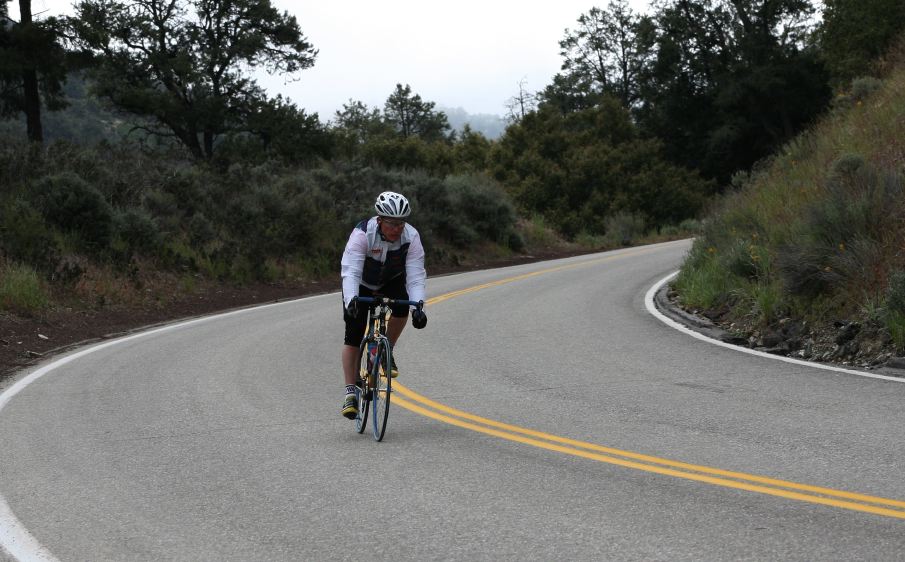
[[383, 255]]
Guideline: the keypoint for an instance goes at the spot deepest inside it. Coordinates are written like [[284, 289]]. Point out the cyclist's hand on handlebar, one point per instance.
[[352, 308], [419, 318]]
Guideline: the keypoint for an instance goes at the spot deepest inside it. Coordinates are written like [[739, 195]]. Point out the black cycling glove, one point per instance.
[[352, 309], [419, 318]]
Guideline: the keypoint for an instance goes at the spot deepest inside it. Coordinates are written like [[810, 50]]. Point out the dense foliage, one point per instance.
[[262, 221], [578, 169], [816, 235]]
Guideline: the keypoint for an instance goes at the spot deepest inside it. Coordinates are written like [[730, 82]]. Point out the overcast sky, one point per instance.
[[469, 54]]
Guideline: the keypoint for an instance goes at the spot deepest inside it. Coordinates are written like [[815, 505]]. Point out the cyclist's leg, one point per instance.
[[350, 363], [395, 289], [354, 331], [395, 325]]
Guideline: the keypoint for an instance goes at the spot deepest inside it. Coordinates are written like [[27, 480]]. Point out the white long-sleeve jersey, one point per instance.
[[373, 261]]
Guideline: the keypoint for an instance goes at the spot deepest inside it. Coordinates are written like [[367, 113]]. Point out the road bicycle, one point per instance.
[[375, 358]]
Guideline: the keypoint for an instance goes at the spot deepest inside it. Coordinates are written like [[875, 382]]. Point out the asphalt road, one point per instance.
[[222, 439]]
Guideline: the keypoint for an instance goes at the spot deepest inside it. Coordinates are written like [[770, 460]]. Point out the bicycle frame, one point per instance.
[[377, 388], [377, 325]]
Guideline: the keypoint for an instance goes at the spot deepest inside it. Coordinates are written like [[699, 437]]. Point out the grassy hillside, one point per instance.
[[812, 243]]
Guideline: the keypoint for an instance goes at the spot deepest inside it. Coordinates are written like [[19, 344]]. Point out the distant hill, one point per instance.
[[489, 125]]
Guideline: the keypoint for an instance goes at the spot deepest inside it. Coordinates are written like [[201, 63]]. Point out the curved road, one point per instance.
[[543, 414]]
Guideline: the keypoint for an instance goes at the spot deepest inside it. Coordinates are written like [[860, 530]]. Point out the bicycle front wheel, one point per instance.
[[361, 420], [380, 399]]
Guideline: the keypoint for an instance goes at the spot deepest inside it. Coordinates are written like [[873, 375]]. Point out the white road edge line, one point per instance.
[[15, 540], [652, 308]]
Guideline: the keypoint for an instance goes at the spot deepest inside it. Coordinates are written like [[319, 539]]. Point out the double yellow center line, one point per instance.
[[422, 405]]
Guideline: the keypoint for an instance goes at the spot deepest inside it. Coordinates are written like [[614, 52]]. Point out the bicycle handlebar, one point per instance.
[[388, 301]]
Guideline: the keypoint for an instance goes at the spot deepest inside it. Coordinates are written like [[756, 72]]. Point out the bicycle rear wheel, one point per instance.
[[380, 400], [361, 420]]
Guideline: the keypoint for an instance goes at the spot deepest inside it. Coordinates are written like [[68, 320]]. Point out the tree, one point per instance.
[[356, 125], [728, 81], [411, 116], [32, 67], [520, 104], [288, 132], [185, 64], [359, 123], [856, 32], [603, 52], [568, 93], [472, 151]]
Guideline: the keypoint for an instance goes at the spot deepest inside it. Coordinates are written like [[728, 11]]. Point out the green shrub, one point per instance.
[[738, 260], [763, 300], [25, 236], [843, 235], [410, 154], [164, 207], [481, 205], [623, 228], [704, 286], [76, 207], [537, 233], [21, 290], [864, 86], [691, 226], [201, 230], [895, 324], [137, 230], [860, 89], [516, 241], [669, 230], [895, 292], [591, 241]]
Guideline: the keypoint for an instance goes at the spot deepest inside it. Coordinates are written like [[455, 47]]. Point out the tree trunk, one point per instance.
[[32, 104], [208, 144], [189, 138]]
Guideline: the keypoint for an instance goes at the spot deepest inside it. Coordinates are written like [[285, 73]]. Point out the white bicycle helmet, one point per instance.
[[393, 205]]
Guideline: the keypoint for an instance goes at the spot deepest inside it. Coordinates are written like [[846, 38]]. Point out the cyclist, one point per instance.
[[384, 254]]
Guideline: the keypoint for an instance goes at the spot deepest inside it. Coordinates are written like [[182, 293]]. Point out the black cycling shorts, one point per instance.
[[355, 326]]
